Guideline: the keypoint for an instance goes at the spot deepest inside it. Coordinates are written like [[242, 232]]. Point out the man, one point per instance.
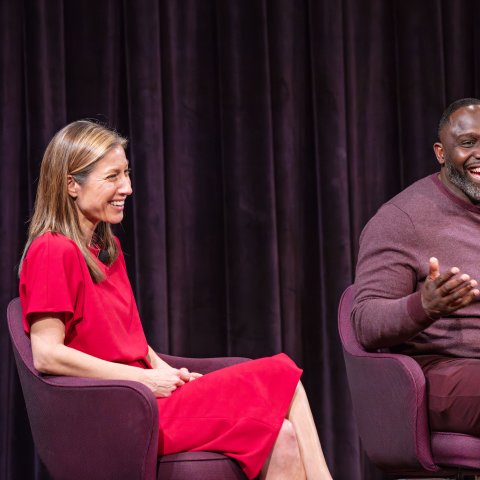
[[415, 287]]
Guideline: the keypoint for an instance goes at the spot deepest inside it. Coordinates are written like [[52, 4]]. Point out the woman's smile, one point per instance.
[[101, 197]]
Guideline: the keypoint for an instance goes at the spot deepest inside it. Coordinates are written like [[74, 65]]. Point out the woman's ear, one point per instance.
[[72, 186]]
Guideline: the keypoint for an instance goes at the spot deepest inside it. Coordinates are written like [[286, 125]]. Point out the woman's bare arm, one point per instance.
[[155, 360], [52, 356]]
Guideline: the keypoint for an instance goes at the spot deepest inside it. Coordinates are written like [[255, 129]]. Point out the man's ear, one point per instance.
[[72, 187], [439, 153]]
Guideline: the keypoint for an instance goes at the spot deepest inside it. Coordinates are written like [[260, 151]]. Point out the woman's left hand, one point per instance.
[[187, 376], [157, 364]]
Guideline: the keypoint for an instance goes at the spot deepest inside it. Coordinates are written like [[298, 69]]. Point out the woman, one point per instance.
[[79, 310]]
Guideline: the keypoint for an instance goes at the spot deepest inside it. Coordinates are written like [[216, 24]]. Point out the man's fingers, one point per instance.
[[456, 283], [444, 293], [440, 280], [463, 296], [469, 295], [434, 270], [464, 301]]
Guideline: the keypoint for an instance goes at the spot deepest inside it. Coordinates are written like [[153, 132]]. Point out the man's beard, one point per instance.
[[460, 179]]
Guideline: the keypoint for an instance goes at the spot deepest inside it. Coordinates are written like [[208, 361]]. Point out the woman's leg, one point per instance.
[[284, 462], [310, 449]]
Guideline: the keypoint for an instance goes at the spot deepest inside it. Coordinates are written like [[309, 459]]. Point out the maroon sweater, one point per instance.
[[425, 220]]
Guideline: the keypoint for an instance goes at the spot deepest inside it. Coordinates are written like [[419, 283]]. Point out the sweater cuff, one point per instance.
[[415, 309]]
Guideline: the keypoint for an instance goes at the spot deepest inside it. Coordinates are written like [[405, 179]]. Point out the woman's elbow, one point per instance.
[[39, 365], [44, 361]]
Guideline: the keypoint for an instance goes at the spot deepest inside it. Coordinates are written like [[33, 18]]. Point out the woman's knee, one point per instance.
[[300, 390], [287, 440]]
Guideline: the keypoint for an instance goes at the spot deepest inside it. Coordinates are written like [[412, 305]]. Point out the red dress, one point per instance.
[[236, 410]]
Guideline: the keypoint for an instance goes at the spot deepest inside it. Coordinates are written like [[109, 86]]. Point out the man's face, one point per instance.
[[459, 153]]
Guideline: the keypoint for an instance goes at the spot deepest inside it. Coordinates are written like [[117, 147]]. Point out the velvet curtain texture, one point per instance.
[[263, 135]]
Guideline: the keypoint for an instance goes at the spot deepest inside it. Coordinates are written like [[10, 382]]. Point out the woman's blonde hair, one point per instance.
[[74, 150]]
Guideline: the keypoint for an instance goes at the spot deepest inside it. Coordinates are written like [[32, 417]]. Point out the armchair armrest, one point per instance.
[[112, 424], [389, 402], [202, 365]]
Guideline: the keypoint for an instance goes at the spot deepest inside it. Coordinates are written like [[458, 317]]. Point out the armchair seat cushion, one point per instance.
[[455, 449], [198, 466]]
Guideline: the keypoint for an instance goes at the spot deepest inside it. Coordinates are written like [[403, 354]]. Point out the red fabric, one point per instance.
[[100, 319], [237, 410]]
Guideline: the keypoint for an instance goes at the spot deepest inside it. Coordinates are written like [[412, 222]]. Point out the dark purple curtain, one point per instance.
[[263, 135]]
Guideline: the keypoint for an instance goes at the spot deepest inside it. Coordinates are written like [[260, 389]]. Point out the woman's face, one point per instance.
[[102, 196]]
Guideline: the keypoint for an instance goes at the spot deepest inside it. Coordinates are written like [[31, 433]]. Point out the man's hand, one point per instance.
[[444, 293]]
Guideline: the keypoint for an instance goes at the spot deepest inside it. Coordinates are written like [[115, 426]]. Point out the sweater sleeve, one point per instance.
[[51, 279], [387, 308]]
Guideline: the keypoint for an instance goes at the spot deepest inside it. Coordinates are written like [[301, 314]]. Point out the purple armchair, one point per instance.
[[390, 406], [103, 429]]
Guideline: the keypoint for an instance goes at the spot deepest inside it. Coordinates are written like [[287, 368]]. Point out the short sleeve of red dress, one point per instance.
[[101, 319], [51, 279]]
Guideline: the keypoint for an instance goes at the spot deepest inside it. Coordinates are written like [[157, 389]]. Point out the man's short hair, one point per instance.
[[453, 107]]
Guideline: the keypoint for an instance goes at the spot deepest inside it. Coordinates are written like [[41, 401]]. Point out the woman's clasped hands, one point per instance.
[[165, 380]]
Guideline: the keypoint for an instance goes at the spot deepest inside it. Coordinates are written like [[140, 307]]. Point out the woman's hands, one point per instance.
[[165, 380], [189, 376], [162, 381]]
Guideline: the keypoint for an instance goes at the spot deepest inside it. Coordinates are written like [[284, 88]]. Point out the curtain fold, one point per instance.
[[146, 254], [14, 209], [263, 134]]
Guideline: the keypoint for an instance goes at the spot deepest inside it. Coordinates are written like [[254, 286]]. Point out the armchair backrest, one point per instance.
[[350, 343], [79, 425], [21, 342], [389, 401]]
